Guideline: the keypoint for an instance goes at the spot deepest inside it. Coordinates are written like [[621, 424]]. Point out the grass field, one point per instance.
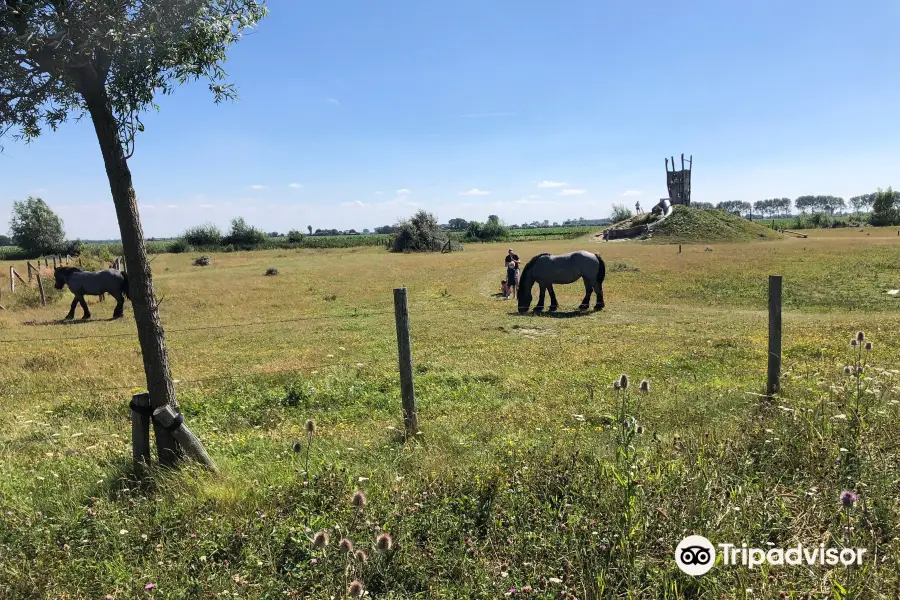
[[532, 477]]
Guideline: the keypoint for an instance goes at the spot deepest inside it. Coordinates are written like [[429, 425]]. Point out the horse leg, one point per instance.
[[120, 304], [71, 314], [84, 306], [586, 302], [598, 287], [553, 303], [540, 305]]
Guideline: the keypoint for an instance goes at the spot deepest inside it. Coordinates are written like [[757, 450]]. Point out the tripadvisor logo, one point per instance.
[[695, 555]]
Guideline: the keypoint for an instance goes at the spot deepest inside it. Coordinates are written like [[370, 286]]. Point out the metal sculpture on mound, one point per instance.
[[679, 185]]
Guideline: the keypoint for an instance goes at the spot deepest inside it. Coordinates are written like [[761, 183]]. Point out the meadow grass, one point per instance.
[[532, 477]]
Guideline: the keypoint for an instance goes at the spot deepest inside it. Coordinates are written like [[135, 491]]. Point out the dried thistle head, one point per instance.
[[617, 385], [384, 543], [320, 540], [860, 336], [355, 590], [868, 346], [310, 427], [297, 447], [361, 556], [645, 386], [346, 545], [854, 343], [359, 499], [623, 381], [848, 370]]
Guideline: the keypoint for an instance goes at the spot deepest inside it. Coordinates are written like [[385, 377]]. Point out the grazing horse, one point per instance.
[[86, 283], [547, 269]]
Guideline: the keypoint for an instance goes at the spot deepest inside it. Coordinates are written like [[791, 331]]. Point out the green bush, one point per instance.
[[421, 233], [243, 235], [178, 246], [295, 237], [620, 213], [491, 231], [203, 236]]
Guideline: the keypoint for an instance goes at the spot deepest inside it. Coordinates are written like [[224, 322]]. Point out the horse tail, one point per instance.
[[125, 285], [601, 270]]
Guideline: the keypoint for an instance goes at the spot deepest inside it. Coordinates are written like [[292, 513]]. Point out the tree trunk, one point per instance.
[[146, 312]]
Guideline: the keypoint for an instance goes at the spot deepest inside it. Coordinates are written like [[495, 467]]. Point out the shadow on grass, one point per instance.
[[64, 322], [556, 314]]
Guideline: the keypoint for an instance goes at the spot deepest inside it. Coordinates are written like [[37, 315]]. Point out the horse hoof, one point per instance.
[[582, 307], [553, 309], [598, 308], [86, 318]]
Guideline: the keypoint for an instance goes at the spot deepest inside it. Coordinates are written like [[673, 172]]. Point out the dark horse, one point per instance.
[[547, 269], [86, 283]]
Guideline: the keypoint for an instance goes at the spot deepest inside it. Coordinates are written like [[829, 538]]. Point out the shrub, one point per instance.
[[36, 228], [203, 236], [179, 246], [243, 235], [620, 213], [203, 261], [271, 271], [295, 237], [493, 230], [74, 248], [885, 208], [421, 233]]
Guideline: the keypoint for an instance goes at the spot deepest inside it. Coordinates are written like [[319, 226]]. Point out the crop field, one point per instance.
[[532, 476]]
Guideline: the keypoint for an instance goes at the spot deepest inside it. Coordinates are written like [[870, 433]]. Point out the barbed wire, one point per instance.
[[355, 315], [212, 378]]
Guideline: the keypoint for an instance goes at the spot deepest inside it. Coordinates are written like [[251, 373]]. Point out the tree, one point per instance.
[[107, 60], [885, 207], [5, 240], [309, 228], [620, 213], [36, 228], [458, 224]]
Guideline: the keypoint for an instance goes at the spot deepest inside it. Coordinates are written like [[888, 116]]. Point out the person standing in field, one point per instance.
[[512, 272]]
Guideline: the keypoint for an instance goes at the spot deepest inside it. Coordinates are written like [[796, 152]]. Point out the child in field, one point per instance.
[[504, 289]]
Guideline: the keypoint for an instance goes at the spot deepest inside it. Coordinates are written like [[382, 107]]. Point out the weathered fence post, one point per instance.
[[12, 280], [140, 430], [679, 248], [30, 268], [773, 381], [173, 422], [54, 263], [46, 264], [404, 353], [41, 289]]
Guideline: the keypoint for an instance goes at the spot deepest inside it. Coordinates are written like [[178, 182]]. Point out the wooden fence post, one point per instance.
[[41, 289], [173, 422], [773, 380], [12, 280], [679, 248], [404, 353], [140, 430], [30, 268]]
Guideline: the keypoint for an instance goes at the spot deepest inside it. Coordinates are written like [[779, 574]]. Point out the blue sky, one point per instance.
[[355, 114]]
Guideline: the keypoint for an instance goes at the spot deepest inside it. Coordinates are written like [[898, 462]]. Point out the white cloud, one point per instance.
[[403, 191], [333, 101], [171, 206], [358, 203], [572, 192], [207, 206], [552, 184], [296, 186], [379, 193], [475, 192], [258, 187], [632, 193]]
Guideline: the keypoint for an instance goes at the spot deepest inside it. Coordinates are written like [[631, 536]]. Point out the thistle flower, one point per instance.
[[310, 427], [860, 370], [645, 386], [298, 446], [860, 336], [384, 543], [854, 343], [321, 539], [359, 499], [346, 545], [640, 429], [868, 346], [616, 385], [361, 556], [623, 381], [355, 590], [848, 370], [848, 498]]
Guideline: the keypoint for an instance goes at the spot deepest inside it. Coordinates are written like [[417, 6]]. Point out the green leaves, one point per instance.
[[56, 56]]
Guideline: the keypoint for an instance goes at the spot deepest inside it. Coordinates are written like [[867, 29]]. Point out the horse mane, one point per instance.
[[527, 268], [68, 270]]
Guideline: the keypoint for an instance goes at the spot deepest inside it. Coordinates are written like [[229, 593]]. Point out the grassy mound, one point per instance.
[[688, 225]]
